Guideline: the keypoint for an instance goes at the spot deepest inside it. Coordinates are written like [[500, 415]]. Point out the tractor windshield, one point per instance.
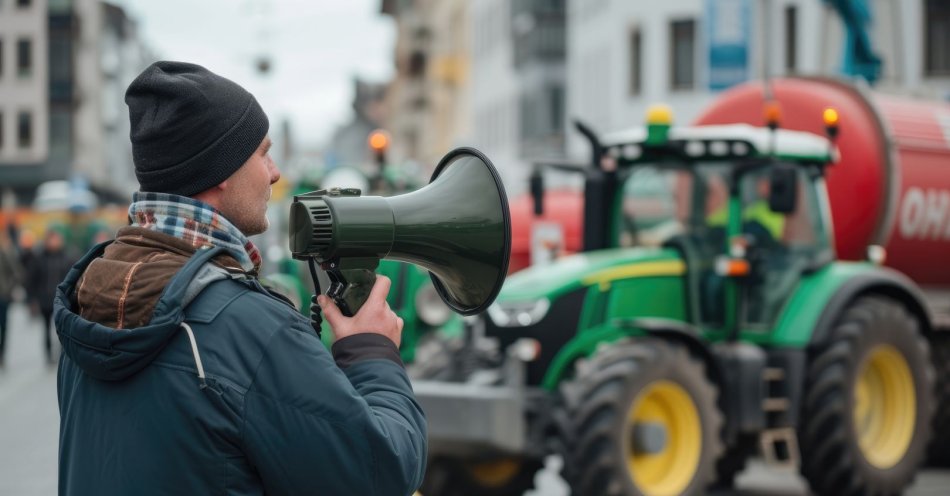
[[661, 202], [688, 206]]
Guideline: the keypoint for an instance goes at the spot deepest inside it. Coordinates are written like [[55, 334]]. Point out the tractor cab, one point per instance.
[[744, 207]]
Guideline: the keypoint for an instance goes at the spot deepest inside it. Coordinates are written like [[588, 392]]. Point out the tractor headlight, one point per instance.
[[430, 308], [520, 313]]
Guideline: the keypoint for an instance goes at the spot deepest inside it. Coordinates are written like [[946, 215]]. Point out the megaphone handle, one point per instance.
[[316, 318], [350, 288]]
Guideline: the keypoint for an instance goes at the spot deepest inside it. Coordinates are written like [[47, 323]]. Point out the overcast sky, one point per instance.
[[317, 47]]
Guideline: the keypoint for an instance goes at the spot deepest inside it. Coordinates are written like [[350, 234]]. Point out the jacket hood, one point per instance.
[[113, 354]]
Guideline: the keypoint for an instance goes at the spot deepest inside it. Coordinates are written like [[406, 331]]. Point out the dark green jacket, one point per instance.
[[256, 405]]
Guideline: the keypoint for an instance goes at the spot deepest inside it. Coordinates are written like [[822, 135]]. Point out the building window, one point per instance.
[[417, 64], [636, 61], [556, 102], [683, 44], [57, 7], [60, 67], [25, 130], [60, 134], [937, 32], [24, 57], [791, 38]]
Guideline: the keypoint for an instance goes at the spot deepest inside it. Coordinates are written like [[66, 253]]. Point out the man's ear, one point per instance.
[[212, 195]]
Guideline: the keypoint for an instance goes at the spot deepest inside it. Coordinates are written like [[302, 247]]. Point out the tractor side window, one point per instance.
[[799, 231], [758, 219], [785, 244]]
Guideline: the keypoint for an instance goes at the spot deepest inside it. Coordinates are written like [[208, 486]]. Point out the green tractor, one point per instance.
[[696, 329]]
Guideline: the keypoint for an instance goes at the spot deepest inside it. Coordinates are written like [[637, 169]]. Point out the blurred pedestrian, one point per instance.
[[26, 243], [181, 372], [47, 268], [11, 274]]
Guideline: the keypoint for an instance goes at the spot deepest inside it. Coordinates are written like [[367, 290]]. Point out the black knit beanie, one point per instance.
[[191, 128]]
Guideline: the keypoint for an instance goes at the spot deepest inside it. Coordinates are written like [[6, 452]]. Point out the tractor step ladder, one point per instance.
[[779, 443]]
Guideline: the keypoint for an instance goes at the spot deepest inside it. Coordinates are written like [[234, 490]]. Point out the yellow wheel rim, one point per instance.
[[885, 407], [495, 473], [670, 469]]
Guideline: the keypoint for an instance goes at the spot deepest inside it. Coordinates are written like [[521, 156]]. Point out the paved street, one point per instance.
[[29, 419], [29, 425]]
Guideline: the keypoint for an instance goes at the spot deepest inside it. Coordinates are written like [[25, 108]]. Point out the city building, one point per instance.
[[109, 55], [625, 56], [534, 66], [64, 67], [347, 146], [518, 83], [24, 97], [494, 88], [427, 102]]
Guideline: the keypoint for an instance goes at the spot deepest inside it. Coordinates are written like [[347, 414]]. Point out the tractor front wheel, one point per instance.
[[644, 422], [868, 402]]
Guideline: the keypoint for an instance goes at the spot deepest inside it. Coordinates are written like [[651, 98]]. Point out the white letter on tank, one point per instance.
[[937, 203], [912, 213]]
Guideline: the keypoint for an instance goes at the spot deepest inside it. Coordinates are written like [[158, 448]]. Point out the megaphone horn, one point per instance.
[[457, 227]]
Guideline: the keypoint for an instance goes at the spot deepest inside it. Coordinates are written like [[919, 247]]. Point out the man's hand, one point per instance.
[[374, 316]]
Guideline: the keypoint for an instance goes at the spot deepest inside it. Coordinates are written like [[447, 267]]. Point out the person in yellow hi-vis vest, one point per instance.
[[757, 217]]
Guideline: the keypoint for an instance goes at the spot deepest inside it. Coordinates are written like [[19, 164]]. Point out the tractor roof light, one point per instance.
[[659, 120], [773, 114], [830, 116]]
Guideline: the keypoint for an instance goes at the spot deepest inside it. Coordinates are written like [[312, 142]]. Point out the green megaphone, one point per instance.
[[457, 227]]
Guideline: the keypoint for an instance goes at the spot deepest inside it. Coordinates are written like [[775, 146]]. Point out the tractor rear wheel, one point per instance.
[[510, 476], [644, 421], [868, 402]]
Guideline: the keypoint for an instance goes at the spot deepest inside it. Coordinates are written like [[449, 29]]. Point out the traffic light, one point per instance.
[[378, 142]]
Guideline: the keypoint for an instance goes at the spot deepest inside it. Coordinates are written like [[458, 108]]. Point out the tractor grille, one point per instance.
[[553, 332]]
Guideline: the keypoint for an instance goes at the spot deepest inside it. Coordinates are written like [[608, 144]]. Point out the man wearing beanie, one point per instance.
[[181, 373]]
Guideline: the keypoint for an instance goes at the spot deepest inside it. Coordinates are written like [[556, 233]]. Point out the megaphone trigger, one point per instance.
[[349, 289]]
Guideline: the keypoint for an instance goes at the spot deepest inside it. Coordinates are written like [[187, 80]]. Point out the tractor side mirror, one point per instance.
[[537, 191], [783, 188]]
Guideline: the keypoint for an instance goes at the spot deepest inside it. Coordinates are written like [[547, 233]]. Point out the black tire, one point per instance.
[[446, 476], [939, 451], [600, 398], [833, 461], [733, 461]]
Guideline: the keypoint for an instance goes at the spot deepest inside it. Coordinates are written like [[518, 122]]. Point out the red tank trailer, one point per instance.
[[891, 186]]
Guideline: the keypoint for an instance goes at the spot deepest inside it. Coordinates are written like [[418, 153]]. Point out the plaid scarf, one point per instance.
[[195, 222]]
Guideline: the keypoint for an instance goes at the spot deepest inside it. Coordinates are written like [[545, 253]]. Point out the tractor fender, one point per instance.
[[884, 281], [667, 329], [683, 334]]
